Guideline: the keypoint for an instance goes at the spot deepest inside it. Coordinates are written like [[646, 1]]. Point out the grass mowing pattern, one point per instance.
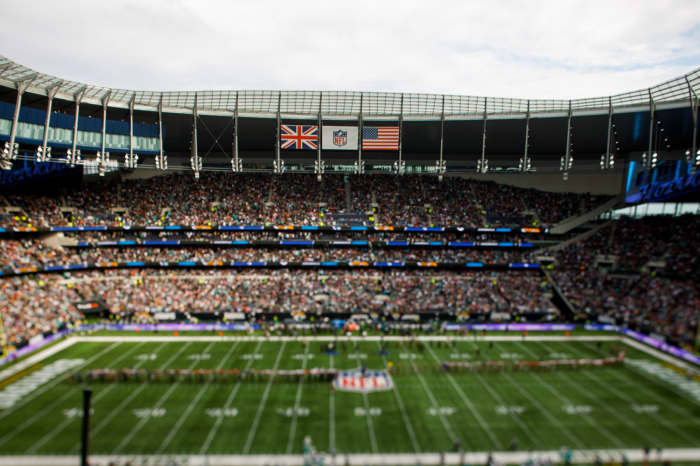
[[428, 411]]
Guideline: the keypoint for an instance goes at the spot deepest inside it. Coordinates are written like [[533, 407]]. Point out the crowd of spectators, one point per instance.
[[299, 199], [647, 283], [43, 303], [34, 253]]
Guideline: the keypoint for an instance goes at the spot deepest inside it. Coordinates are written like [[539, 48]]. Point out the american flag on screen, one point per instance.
[[380, 138], [299, 137]]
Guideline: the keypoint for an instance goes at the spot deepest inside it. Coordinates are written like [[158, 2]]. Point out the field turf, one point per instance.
[[427, 411]]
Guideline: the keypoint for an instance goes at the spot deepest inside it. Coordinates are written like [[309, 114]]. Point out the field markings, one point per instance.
[[227, 405], [433, 400], [568, 403], [658, 416], [53, 405], [552, 419], [468, 403], [404, 414], [134, 430], [263, 403], [120, 409], [297, 400], [615, 412], [514, 415], [194, 402], [49, 435], [35, 358], [370, 424], [331, 414]]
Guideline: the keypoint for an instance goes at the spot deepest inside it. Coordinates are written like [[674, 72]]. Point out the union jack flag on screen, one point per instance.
[[299, 137]]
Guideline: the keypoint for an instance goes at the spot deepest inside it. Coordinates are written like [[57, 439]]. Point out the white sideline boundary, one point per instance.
[[36, 358], [579, 456], [328, 338]]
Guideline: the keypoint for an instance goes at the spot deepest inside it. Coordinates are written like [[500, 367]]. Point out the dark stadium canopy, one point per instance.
[[422, 113]]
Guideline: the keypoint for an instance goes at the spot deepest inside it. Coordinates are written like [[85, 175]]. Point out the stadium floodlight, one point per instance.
[[482, 166], [441, 169], [196, 164], [319, 169], [9, 153], [102, 159], [131, 160], [162, 162], [654, 159], [73, 158], [359, 167], [399, 167], [278, 166], [236, 165], [42, 156]]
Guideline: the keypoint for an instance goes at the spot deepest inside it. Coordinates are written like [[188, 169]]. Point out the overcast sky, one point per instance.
[[531, 49]]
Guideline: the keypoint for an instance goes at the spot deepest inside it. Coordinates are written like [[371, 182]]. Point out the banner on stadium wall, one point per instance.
[[340, 137], [165, 316]]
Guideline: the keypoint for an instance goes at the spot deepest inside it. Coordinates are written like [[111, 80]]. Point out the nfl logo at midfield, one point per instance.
[[340, 137], [363, 381]]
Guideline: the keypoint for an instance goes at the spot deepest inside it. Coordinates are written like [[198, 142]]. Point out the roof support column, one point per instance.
[[482, 166], [45, 152], [694, 156], [608, 160], [105, 103], [401, 165], [195, 161], [277, 166], [161, 161], [319, 166], [651, 158], [525, 163], [360, 164], [10, 151], [442, 166], [236, 165], [74, 157], [131, 127], [567, 161]]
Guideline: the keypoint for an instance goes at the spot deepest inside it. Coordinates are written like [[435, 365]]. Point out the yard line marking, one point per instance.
[[616, 412], [331, 415], [195, 401], [215, 428], [533, 438], [100, 395], [53, 405], [293, 428], [544, 411], [404, 414], [637, 386], [468, 402], [675, 408], [565, 400], [125, 441], [370, 424], [436, 405], [261, 406], [120, 409]]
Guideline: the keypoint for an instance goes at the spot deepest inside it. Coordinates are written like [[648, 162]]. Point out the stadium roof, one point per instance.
[[349, 104]]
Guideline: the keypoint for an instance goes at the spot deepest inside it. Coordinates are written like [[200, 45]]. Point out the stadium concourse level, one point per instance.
[[44, 303], [298, 199], [641, 273]]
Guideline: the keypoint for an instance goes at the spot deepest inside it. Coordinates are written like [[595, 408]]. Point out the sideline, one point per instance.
[[36, 358], [579, 456], [329, 338]]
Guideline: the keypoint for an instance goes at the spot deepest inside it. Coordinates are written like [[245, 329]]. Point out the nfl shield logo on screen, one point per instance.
[[363, 382], [340, 137]]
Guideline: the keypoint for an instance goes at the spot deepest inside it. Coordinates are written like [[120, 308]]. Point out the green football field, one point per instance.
[[617, 407]]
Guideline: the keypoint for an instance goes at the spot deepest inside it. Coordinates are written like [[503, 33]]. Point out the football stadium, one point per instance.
[[325, 277]]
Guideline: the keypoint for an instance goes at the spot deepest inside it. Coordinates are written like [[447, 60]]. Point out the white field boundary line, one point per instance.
[[297, 401], [658, 354], [330, 338], [399, 459], [36, 358]]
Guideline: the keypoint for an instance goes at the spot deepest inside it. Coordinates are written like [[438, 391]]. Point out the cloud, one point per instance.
[[536, 49]]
